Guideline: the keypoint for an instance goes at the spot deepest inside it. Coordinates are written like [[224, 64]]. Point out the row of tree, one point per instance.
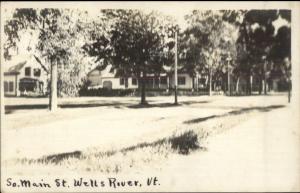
[[138, 43]]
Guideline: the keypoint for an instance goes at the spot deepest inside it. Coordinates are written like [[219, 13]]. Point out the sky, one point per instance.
[[178, 15]]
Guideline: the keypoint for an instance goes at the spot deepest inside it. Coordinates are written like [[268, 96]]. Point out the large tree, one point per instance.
[[56, 34], [190, 47], [135, 43], [210, 41], [260, 45]]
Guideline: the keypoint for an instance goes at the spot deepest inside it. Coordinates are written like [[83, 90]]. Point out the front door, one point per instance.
[[107, 84]]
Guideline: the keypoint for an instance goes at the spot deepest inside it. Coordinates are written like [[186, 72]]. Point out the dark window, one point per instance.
[[37, 72], [181, 80], [134, 81], [27, 71], [107, 84], [149, 81], [5, 86], [11, 86], [156, 81], [201, 81], [126, 82], [122, 81], [163, 80]]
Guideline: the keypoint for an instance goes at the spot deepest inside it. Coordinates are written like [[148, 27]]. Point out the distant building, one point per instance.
[[107, 78], [25, 77]]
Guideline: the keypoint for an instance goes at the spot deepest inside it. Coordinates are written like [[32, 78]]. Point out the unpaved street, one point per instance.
[[39, 132], [260, 154]]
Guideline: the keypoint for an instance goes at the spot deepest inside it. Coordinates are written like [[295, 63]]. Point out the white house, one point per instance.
[[25, 76], [107, 79]]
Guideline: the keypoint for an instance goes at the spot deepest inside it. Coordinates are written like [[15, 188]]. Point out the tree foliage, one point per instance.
[[209, 42], [139, 43], [259, 43], [135, 43], [59, 37]]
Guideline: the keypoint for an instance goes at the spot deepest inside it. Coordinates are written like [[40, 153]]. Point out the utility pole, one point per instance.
[[175, 69]]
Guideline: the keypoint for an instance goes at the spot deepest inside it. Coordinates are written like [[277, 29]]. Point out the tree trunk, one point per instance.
[[143, 89], [289, 90], [214, 86], [265, 85], [251, 84], [193, 83], [247, 84], [260, 85], [53, 89], [264, 77], [197, 82], [209, 90], [237, 85]]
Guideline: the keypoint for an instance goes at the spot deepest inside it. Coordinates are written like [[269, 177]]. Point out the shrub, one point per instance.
[[185, 142], [106, 92]]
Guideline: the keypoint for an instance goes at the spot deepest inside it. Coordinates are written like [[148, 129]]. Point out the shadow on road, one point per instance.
[[235, 112], [163, 105], [9, 109]]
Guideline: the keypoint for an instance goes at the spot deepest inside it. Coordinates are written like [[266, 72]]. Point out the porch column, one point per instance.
[[153, 82], [17, 86], [159, 82]]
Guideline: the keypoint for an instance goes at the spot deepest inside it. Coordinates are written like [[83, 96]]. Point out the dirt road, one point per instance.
[[258, 155]]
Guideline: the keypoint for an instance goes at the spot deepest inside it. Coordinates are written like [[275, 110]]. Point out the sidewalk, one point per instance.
[[261, 154]]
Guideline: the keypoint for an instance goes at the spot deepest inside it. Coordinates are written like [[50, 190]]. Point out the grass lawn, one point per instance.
[[116, 135]]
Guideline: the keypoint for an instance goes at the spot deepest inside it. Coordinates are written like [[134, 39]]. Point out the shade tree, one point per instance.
[[135, 43], [211, 41], [58, 35]]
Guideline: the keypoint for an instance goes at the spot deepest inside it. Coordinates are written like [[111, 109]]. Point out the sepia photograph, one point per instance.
[[150, 96]]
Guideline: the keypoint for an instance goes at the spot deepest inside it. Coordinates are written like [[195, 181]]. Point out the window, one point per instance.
[[5, 86], [126, 82], [122, 81], [37, 72], [11, 86], [156, 81], [201, 82], [107, 84], [134, 81], [163, 80], [27, 71], [181, 80], [149, 81]]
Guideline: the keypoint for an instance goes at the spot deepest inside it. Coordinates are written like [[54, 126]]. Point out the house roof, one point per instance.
[[170, 69], [15, 69], [43, 66], [14, 66], [107, 71]]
